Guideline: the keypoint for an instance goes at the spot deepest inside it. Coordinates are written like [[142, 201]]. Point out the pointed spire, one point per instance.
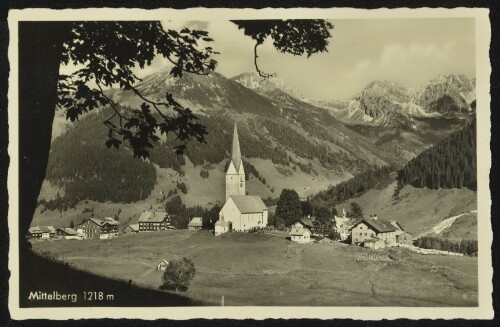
[[235, 153]]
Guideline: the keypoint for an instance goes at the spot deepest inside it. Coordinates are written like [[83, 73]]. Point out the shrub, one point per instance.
[[178, 274]]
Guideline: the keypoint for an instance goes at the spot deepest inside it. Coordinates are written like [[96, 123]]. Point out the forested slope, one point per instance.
[[449, 164]]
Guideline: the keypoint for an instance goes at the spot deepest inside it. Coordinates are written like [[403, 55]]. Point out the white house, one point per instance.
[[343, 226], [196, 223], [67, 233], [221, 226], [300, 234]]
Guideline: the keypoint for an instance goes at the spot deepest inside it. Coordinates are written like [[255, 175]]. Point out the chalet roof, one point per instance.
[[134, 227], [111, 221], [398, 225], [196, 222], [379, 225], [153, 216], [307, 222], [96, 221], [41, 229], [249, 203], [68, 231], [298, 231]]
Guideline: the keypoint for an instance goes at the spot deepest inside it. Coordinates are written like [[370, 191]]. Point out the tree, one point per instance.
[[179, 274], [72, 224], [288, 207], [307, 209], [355, 212], [323, 224], [108, 51]]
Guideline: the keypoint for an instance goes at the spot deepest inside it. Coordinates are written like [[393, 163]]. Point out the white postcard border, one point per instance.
[[483, 71]]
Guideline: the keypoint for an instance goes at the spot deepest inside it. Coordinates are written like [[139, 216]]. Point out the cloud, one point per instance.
[[397, 58]]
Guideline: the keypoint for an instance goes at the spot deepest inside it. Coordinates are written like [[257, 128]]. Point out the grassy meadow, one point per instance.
[[261, 269]]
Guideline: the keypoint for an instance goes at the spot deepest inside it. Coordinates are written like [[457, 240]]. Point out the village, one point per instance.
[[240, 213]]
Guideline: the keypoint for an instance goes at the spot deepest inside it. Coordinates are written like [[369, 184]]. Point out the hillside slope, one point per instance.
[[418, 209]]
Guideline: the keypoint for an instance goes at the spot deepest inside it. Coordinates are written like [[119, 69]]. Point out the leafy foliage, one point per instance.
[[289, 36], [288, 208], [449, 164], [109, 51], [178, 274], [323, 224]]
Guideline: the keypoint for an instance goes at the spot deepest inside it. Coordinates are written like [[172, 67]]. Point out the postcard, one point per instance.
[[250, 163]]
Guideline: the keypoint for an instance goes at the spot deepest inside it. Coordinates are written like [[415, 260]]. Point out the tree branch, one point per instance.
[[261, 73]]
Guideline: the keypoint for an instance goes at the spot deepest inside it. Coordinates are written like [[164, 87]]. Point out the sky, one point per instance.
[[409, 52]]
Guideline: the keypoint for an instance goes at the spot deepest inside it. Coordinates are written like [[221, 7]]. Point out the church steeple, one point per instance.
[[235, 173], [236, 153]]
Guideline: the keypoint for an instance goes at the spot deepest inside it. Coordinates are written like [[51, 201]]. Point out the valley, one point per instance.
[[269, 273]]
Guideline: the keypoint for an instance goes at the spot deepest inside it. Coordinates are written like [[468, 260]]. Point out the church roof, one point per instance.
[[249, 203], [235, 151]]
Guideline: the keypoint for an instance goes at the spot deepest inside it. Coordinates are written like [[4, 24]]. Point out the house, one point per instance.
[[196, 223], [162, 266], [245, 212], [374, 232], [98, 228], [402, 236], [300, 234], [154, 221], [67, 233], [221, 226], [131, 229], [343, 226], [41, 232], [374, 243]]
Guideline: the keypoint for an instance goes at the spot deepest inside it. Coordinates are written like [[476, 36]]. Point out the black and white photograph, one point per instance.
[[250, 159]]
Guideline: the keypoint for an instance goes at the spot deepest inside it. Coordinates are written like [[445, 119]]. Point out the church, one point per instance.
[[243, 212]]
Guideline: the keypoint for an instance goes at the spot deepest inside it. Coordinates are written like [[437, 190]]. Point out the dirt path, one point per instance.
[[438, 228]]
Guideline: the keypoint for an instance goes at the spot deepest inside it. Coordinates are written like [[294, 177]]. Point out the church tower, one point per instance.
[[235, 174]]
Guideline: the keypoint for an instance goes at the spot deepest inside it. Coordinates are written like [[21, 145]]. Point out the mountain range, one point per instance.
[[291, 141]]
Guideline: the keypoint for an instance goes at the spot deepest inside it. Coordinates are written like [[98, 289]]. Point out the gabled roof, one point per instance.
[[196, 222], [248, 203], [96, 221], [398, 225], [298, 231], [34, 230], [41, 229], [153, 217], [379, 225], [111, 221], [134, 227], [67, 230], [307, 222]]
